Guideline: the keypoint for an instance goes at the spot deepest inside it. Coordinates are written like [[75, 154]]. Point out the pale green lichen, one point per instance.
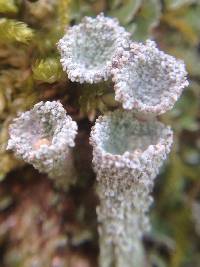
[[87, 49], [147, 80], [44, 137], [127, 155]]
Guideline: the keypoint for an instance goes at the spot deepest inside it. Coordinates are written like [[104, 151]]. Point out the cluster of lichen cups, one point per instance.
[[127, 152]]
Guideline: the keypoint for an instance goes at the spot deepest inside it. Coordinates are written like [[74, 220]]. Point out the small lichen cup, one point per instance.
[[44, 137], [147, 80], [127, 155], [87, 49]]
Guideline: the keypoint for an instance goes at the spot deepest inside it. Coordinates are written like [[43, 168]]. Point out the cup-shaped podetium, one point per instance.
[[147, 80], [127, 155], [87, 49], [44, 137]]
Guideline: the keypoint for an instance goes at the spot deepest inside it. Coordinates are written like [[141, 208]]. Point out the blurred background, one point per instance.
[[41, 226]]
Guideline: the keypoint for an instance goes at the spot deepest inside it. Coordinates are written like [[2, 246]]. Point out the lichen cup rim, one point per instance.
[[54, 146], [96, 141], [173, 71], [77, 71]]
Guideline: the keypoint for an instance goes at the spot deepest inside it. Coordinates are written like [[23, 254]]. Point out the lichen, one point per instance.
[[43, 137], [127, 155], [147, 80], [87, 49]]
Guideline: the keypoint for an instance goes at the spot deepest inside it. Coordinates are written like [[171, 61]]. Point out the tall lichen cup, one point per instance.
[[127, 155]]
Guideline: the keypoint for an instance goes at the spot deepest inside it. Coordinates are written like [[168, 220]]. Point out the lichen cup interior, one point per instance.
[[132, 136], [147, 80], [87, 49], [43, 135], [119, 133]]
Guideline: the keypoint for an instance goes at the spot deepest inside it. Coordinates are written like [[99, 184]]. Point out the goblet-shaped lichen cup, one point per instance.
[[127, 155], [87, 49], [44, 137], [146, 80]]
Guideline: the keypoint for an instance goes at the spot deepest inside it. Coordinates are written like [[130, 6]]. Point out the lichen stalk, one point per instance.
[[127, 155], [44, 137]]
